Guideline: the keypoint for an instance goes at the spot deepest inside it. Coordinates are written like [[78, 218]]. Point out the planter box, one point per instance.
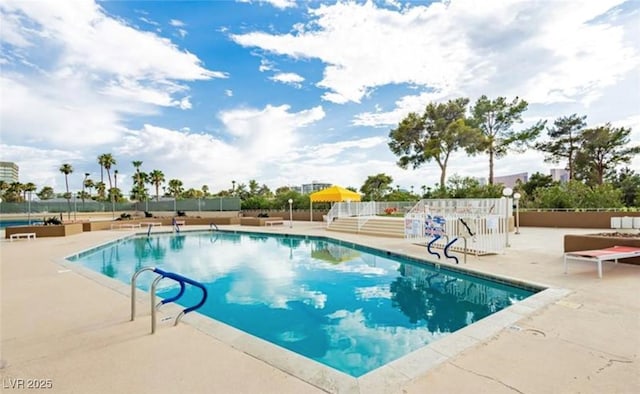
[[61, 230], [574, 219], [573, 243]]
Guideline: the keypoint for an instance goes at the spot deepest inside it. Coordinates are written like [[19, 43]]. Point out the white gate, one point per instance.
[[484, 223]]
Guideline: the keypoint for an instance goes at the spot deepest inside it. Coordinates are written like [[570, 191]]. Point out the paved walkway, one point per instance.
[[62, 325]]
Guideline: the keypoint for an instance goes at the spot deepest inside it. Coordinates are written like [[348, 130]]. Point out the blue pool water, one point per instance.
[[351, 309], [11, 223]]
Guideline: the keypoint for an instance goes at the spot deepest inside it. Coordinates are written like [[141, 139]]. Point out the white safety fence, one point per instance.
[[362, 210], [484, 223]]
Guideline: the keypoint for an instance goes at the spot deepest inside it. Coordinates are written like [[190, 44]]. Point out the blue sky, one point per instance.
[[288, 92]]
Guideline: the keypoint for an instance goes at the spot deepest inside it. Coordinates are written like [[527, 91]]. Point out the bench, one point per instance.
[[22, 235], [125, 225], [151, 224], [272, 222]]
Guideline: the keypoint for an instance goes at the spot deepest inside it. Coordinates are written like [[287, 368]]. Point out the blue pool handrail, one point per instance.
[[174, 222], [161, 275], [446, 250], [434, 240]]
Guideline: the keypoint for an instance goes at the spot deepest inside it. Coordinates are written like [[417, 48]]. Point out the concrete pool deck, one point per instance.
[[65, 325]]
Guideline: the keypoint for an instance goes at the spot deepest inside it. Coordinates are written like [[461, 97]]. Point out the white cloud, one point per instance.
[[265, 65], [58, 113], [228, 92], [98, 72], [262, 139], [41, 166], [456, 48], [176, 23], [89, 38], [282, 4], [289, 79]]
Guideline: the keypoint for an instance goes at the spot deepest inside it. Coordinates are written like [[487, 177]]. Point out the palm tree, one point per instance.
[[175, 187], [84, 185], [106, 161], [66, 169], [13, 192], [88, 183], [28, 188], [101, 190], [156, 178]]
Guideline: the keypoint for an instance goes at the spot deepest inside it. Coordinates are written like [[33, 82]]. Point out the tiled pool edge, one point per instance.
[[386, 379]]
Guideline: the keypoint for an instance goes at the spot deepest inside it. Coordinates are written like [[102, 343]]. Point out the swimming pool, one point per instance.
[[11, 223], [353, 309]]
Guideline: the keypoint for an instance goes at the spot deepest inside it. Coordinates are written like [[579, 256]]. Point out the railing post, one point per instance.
[[153, 303]]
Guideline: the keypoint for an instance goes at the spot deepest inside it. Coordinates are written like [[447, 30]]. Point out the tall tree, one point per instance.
[[13, 193], [495, 119], [28, 187], [106, 161], [205, 190], [66, 169], [565, 137], [156, 177], [46, 193], [101, 189], [629, 184], [375, 187], [175, 187], [602, 149], [434, 135], [537, 181], [254, 186], [88, 184]]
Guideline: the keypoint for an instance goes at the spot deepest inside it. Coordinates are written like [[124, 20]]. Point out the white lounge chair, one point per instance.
[[599, 255]]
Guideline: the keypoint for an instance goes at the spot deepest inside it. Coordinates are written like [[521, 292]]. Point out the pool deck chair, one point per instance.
[[599, 255]]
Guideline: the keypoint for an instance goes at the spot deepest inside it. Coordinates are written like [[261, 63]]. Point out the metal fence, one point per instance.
[[77, 205], [483, 224]]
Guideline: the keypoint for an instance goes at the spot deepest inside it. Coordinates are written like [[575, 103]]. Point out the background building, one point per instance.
[[510, 180], [560, 175], [314, 186], [8, 171], [296, 189]]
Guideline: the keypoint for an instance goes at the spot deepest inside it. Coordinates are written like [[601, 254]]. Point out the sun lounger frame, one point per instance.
[[600, 255]]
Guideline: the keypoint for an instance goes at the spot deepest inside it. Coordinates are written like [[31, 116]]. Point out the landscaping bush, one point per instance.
[[52, 221]]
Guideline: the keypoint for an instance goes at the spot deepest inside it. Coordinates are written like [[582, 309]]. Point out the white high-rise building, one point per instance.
[[9, 171]]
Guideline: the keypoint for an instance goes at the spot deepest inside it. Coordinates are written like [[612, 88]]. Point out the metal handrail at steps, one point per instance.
[[164, 274]]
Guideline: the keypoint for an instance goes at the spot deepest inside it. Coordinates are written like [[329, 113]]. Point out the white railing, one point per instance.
[[487, 220], [366, 210], [331, 215]]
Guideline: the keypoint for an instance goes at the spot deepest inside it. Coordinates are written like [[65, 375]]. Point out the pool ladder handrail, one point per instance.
[[171, 275], [212, 225]]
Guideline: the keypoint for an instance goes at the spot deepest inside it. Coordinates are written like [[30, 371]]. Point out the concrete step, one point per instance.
[[385, 227]]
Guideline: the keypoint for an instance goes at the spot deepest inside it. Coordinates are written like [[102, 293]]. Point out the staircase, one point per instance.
[[378, 226]]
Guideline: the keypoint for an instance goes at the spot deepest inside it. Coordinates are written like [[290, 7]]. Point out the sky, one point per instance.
[[287, 92]]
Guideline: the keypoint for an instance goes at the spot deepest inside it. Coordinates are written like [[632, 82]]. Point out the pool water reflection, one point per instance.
[[350, 309]]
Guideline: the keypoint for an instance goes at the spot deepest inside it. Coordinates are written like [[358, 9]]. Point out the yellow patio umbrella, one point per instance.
[[332, 194]]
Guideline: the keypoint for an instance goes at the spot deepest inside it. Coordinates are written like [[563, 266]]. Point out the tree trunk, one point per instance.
[[443, 176], [491, 166], [66, 182]]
